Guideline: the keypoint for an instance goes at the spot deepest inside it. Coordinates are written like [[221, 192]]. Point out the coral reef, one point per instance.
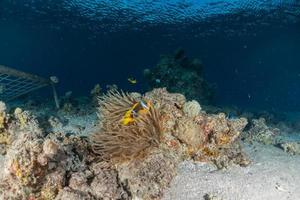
[[185, 133], [260, 132], [5, 135], [180, 74], [119, 161], [192, 108], [148, 178], [2, 115], [292, 148], [37, 166]]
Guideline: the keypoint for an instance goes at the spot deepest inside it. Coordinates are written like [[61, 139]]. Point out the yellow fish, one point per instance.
[[132, 80], [136, 110]]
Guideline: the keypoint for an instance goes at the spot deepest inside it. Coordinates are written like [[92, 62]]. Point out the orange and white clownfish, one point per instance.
[[137, 109]]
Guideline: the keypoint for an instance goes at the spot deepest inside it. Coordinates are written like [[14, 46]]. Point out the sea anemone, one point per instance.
[[116, 141], [114, 104]]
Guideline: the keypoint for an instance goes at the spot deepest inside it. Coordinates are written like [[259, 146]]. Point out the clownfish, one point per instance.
[[137, 109]]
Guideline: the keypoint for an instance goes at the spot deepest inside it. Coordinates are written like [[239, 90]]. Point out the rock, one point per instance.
[[192, 108], [292, 148]]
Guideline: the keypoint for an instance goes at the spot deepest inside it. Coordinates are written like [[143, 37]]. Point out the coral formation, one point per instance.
[[37, 165], [260, 132], [133, 161], [192, 108], [5, 136], [148, 178], [180, 74], [292, 148], [188, 132], [2, 115]]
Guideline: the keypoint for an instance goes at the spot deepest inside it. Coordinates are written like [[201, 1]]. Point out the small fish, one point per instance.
[[132, 80], [137, 109]]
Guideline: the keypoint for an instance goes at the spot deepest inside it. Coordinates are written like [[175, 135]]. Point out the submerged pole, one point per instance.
[[54, 80]]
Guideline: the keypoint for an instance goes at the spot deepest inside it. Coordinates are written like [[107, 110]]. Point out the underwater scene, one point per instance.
[[149, 100]]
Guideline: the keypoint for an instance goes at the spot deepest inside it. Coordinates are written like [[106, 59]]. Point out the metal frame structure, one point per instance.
[[14, 83]]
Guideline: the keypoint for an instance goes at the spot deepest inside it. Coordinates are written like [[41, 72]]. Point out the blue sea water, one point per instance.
[[250, 48]]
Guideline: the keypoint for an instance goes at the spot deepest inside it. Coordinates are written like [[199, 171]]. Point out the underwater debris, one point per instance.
[[15, 83], [180, 74]]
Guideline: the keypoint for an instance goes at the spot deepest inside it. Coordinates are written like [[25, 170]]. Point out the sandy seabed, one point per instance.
[[273, 175]]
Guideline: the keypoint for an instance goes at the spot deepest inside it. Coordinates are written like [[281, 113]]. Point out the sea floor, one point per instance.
[[272, 175]]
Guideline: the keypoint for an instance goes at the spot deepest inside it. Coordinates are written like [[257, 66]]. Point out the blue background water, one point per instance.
[[250, 49]]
